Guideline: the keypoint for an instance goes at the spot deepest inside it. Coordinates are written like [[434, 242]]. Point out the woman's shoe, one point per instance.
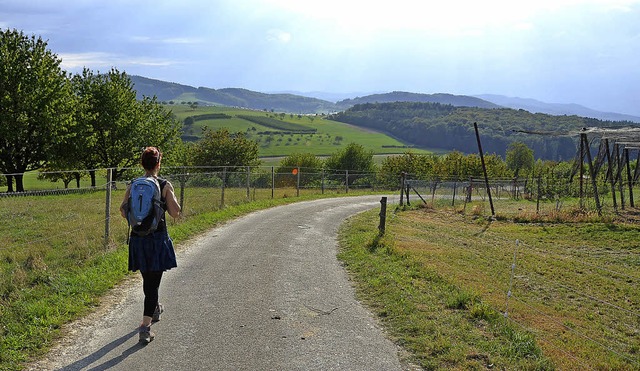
[[145, 334], [157, 313]]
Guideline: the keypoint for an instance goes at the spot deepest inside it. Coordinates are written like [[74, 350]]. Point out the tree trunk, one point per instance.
[[77, 175], [10, 183], [92, 173], [19, 184]]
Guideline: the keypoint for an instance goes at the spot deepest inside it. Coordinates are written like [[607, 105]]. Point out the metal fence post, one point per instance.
[[408, 188], [346, 182], [224, 180], [107, 222], [455, 187], [273, 181], [248, 183], [539, 193], [402, 180], [182, 184], [298, 181]]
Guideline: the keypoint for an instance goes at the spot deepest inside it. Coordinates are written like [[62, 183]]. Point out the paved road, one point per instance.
[[264, 292]]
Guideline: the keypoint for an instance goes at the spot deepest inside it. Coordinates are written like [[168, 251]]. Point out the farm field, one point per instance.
[[329, 136]]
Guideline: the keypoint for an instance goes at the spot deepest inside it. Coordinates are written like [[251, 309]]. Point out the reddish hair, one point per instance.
[[150, 158]]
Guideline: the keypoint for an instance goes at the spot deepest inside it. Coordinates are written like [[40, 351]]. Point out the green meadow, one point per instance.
[[329, 136]]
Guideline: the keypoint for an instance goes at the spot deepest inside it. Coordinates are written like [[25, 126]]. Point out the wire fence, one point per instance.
[[525, 197]]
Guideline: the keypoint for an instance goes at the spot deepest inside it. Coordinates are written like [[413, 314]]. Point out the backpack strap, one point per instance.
[[162, 182]]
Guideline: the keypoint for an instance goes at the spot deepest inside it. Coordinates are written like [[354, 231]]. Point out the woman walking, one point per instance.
[[153, 253]]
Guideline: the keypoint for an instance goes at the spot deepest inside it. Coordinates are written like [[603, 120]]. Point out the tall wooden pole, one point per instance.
[[610, 176], [484, 169], [616, 148], [593, 174], [581, 161], [629, 178]]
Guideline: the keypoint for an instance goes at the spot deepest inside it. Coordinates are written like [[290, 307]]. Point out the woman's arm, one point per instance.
[[173, 207], [124, 204]]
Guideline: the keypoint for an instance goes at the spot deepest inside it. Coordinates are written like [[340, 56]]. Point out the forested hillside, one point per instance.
[[447, 127], [232, 97], [402, 96]]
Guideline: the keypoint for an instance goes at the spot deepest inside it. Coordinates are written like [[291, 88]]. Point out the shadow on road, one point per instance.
[[102, 352]]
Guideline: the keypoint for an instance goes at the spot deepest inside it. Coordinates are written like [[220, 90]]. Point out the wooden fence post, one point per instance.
[[383, 216]]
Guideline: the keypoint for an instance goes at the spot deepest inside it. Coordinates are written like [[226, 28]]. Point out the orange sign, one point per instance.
[[294, 171]]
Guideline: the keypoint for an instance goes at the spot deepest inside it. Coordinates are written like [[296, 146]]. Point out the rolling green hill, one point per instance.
[[434, 125], [295, 134], [401, 96], [289, 103]]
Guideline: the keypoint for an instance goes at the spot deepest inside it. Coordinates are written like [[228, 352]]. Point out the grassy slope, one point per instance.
[[323, 143]]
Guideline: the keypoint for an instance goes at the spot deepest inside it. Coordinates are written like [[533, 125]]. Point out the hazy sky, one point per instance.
[[557, 51]]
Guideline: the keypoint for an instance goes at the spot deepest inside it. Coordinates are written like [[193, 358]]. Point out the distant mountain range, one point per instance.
[[556, 109], [313, 102]]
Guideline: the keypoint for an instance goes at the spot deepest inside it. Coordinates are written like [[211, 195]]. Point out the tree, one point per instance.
[[353, 158], [308, 164], [35, 105], [519, 157], [115, 126], [221, 148]]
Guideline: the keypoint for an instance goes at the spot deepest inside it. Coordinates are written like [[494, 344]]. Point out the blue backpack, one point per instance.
[[145, 206]]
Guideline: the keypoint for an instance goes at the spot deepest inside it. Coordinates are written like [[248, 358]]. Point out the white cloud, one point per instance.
[[182, 40], [73, 61], [96, 60], [168, 40], [278, 36]]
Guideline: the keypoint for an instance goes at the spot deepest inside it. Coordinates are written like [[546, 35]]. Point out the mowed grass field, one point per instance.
[[330, 136], [462, 291]]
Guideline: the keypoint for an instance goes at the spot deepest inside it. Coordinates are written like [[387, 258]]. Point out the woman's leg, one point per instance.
[[150, 287]]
